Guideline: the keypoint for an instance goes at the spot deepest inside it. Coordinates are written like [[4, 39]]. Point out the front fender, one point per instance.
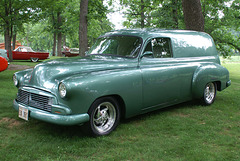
[[209, 73], [84, 89], [23, 76]]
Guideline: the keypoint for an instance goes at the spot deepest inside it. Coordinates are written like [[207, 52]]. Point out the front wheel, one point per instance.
[[209, 94], [104, 116]]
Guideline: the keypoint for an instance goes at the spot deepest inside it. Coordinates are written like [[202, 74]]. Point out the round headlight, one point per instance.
[[15, 81], [62, 90]]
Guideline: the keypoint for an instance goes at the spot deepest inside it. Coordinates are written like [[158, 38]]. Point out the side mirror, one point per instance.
[[147, 54]]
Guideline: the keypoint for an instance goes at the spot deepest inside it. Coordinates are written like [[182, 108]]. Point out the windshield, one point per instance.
[[125, 46], [24, 49]]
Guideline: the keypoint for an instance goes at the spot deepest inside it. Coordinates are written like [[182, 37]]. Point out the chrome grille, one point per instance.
[[35, 100]]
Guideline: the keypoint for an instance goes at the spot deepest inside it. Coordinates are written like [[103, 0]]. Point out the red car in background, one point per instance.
[[70, 52], [3, 63], [3, 60], [26, 53]]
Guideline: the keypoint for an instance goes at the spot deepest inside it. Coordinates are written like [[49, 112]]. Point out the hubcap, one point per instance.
[[209, 92], [34, 59], [104, 117]]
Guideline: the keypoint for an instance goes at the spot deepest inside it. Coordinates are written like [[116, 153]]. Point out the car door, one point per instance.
[[20, 54], [163, 76]]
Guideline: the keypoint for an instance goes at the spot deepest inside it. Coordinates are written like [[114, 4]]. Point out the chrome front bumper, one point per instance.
[[53, 118], [228, 83]]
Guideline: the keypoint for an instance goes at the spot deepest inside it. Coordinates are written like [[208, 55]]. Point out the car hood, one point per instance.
[[48, 74]]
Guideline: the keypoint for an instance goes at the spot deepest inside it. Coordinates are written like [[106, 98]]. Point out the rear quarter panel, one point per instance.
[[40, 55], [209, 72]]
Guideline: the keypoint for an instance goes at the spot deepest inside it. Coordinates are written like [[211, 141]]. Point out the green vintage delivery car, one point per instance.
[[125, 73]]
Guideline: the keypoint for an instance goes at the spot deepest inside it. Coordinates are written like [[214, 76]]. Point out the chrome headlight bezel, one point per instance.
[[62, 90], [15, 80]]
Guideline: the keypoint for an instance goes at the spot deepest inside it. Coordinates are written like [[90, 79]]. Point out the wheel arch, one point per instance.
[[120, 102], [218, 84]]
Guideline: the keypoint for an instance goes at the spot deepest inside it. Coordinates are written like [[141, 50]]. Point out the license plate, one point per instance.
[[23, 113]]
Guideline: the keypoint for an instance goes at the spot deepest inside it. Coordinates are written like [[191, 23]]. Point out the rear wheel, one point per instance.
[[34, 59], [104, 116], [209, 94]]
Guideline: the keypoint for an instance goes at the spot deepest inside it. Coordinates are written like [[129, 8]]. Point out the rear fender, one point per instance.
[[208, 73]]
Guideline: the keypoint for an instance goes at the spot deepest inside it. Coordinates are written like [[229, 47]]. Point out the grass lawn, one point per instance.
[[232, 59], [187, 131]]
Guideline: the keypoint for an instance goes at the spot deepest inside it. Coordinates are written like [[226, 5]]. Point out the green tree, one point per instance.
[[13, 13], [53, 12], [153, 13], [228, 41], [169, 15], [36, 36], [138, 12], [47, 26], [222, 22], [219, 18]]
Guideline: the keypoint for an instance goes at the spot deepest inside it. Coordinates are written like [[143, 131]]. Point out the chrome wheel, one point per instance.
[[34, 59], [209, 93], [104, 117]]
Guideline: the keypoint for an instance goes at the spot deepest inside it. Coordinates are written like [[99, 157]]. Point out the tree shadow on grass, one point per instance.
[[190, 104], [59, 130]]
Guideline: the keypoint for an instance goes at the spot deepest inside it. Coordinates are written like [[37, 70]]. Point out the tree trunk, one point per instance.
[[193, 16], [83, 41], [175, 13], [5, 35], [14, 41], [142, 14], [7, 27], [8, 43], [59, 35], [64, 40], [59, 44], [54, 44]]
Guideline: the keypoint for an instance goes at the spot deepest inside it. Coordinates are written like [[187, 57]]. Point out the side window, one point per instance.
[[161, 47]]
